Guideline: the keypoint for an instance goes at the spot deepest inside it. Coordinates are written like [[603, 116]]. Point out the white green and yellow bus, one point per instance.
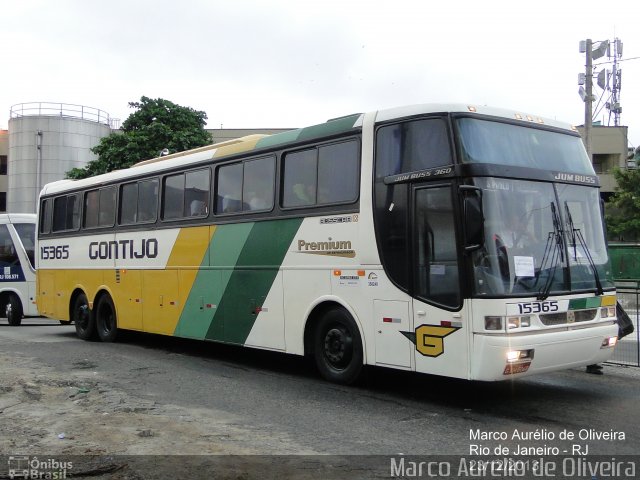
[[453, 240]]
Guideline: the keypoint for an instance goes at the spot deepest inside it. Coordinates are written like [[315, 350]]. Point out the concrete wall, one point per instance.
[[34, 160], [4, 151], [609, 149]]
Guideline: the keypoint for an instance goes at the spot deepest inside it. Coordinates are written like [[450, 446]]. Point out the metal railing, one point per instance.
[[627, 351], [65, 110]]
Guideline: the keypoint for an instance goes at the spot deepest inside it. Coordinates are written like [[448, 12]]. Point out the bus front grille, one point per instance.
[[572, 316]]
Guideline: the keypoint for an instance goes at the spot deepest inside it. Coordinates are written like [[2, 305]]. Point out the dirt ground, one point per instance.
[[109, 433]]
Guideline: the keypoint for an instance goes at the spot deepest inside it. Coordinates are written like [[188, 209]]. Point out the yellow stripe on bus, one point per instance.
[[165, 292]]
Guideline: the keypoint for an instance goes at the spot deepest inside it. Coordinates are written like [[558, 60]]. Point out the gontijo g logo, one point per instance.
[[429, 339]]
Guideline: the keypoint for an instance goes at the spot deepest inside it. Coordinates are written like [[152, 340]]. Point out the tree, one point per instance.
[[623, 209], [155, 125]]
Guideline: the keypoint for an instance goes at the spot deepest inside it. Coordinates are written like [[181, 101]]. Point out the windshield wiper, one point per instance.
[[555, 247], [576, 234]]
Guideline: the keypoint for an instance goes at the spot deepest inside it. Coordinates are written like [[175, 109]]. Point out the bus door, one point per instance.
[[439, 330]]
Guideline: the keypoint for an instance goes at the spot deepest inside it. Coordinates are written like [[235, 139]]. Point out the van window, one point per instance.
[[27, 234], [8, 254]]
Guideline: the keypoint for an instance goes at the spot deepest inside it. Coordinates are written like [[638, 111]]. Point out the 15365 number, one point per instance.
[[538, 307], [59, 252]]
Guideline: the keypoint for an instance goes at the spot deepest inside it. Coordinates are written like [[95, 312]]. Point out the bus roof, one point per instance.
[[17, 218], [259, 142]]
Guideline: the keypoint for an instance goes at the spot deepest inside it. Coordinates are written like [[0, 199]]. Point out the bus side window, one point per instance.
[[100, 208], [107, 206], [45, 216], [8, 255], [139, 202], [173, 197], [147, 200], [338, 172], [91, 208], [258, 185], [196, 194], [229, 189], [412, 146], [300, 178], [128, 203], [66, 213]]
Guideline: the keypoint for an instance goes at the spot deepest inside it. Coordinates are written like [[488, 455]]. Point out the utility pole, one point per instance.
[[588, 100]]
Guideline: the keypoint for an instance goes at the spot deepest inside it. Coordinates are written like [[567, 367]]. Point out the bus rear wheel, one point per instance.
[[13, 310], [82, 318], [106, 321], [338, 348]]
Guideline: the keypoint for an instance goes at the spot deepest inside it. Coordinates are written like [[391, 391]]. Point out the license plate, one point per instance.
[[516, 368]]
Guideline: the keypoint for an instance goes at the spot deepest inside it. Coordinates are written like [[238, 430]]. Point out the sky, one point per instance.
[[289, 64]]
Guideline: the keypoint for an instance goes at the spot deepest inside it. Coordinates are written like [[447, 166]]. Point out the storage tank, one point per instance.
[[46, 140]]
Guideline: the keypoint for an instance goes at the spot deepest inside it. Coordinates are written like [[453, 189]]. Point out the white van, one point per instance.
[[17, 267]]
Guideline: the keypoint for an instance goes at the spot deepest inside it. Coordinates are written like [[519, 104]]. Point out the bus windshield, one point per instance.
[[484, 141], [540, 239]]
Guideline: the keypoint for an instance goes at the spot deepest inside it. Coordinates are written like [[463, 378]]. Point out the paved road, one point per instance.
[[389, 413]]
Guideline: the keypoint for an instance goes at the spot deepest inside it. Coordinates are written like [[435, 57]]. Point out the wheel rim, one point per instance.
[[82, 316], [107, 318], [338, 347], [8, 310]]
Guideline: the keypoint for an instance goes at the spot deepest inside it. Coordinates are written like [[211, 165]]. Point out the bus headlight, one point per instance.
[[518, 322], [607, 312], [493, 323], [518, 361], [518, 355]]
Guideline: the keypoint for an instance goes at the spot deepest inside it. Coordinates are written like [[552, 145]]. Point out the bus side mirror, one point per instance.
[[473, 218]]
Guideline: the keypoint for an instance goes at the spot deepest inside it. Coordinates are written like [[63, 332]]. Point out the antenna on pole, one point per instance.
[[616, 84], [586, 93], [608, 81]]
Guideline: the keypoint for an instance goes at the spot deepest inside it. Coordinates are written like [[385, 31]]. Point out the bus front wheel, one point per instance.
[[81, 316], [338, 348], [13, 310], [106, 322]]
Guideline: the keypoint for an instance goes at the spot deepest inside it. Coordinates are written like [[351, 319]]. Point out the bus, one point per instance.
[[17, 272], [372, 239]]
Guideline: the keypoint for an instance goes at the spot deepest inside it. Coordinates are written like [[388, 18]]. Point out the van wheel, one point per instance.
[[81, 316], [106, 322], [13, 310], [338, 348]]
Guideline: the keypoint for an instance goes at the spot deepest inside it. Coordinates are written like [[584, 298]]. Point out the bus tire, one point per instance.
[[106, 321], [13, 310], [337, 347], [82, 318]]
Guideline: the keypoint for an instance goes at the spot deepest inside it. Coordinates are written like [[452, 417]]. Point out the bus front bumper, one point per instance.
[[502, 357]]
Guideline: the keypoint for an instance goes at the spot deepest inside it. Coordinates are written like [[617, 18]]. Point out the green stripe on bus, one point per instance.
[[211, 281], [332, 127], [582, 303], [278, 139], [251, 280]]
